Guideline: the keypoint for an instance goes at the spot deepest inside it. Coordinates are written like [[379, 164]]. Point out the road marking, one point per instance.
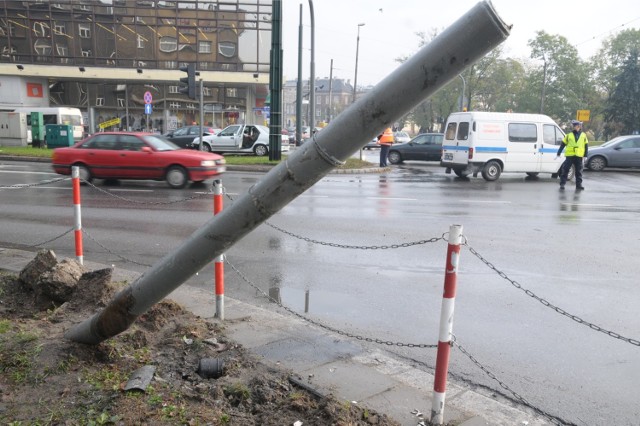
[[28, 173], [485, 201], [129, 190], [393, 198]]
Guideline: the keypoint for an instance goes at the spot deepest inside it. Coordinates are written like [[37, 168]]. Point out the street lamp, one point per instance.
[[355, 78], [464, 83]]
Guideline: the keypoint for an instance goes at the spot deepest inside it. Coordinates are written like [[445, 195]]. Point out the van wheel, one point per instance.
[[491, 171], [461, 172], [260, 150]]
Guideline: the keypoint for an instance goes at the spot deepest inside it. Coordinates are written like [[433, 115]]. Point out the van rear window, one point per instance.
[[463, 131], [523, 132]]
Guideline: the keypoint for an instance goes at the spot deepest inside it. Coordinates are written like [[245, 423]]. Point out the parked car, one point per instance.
[[133, 155], [183, 137], [424, 147], [623, 151], [373, 144], [401, 137], [239, 138]]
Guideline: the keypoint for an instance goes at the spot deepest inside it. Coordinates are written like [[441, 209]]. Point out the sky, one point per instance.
[[390, 28]]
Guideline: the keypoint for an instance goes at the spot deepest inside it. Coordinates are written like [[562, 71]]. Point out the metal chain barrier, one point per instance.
[[31, 185], [348, 246], [53, 239], [154, 203], [84, 232], [326, 327], [549, 304], [503, 385]]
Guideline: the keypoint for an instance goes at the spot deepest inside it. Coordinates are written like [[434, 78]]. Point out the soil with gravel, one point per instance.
[[48, 380]]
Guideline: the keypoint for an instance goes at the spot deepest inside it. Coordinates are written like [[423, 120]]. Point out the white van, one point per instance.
[[493, 142]]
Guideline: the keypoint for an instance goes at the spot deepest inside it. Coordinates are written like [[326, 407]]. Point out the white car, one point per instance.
[[241, 138]]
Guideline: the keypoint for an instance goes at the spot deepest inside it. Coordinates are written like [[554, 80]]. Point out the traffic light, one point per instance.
[[188, 83]]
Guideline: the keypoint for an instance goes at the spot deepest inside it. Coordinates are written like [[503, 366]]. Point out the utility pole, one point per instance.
[[275, 84], [299, 87], [312, 78]]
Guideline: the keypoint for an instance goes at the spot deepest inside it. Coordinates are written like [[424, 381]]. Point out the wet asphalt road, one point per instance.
[[575, 251]]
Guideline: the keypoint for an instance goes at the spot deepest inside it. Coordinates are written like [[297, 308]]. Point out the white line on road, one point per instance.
[[486, 201], [27, 173], [393, 198]]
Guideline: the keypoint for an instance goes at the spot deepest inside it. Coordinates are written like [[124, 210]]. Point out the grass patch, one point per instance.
[[26, 151], [232, 159]]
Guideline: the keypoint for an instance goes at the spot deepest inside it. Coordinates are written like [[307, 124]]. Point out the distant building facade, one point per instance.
[[103, 56], [331, 98]]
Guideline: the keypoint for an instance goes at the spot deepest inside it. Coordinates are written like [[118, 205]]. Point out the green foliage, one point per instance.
[[623, 107], [237, 393]]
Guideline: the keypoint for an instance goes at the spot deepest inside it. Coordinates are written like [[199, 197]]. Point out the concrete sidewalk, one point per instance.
[[328, 363]]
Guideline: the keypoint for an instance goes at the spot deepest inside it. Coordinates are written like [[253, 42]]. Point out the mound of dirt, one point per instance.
[[45, 379]]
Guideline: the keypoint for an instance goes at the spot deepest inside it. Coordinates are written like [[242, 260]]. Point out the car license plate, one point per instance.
[[448, 156]]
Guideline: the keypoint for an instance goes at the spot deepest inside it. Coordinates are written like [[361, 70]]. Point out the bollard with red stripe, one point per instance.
[[75, 182], [446, 324], [219, 262]]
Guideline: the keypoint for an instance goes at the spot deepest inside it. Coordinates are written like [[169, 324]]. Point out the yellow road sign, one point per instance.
[[109, 123], [583, 115]]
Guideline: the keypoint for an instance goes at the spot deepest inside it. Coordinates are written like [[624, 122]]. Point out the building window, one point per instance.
[[168, 44], [99, 101], [84, 31], [42, 47], [227, 49], [63, 52], [140, 42], [59, 29], [206, 91], [40, 29], [170, 65], [8, 52], [86, 53], [173, 89], [204, 47], [121, 102], [174, 105]]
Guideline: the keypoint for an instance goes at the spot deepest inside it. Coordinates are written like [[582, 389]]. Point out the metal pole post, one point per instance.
[[75, 182], [312, 73], [219, 262], [299, 87], [446, 324], [355, 77], [464, 84], [126, 107], [467, 40], [330, 112], [201, 97]]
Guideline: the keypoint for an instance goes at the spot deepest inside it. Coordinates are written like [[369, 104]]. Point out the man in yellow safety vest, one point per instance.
[[577, 148]]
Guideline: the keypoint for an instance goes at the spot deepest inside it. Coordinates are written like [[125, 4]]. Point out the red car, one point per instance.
[[133, 155]]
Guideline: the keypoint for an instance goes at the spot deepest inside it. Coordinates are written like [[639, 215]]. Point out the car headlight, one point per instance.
[[221, 161], [208, 163]]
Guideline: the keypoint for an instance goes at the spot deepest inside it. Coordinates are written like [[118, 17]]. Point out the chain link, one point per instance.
[[153, 203], [348, 246], [549, 304], [52, 239], [31, 185], [324, 326], [84, 232], [503, 385]]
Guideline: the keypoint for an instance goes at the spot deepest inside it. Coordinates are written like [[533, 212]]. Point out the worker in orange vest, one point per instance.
[[385, 140]]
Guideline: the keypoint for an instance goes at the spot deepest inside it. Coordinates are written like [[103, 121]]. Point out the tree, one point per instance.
[[623, 107], [563, 76]]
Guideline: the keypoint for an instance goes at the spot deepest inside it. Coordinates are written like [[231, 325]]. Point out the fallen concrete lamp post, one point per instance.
[[471, 37]]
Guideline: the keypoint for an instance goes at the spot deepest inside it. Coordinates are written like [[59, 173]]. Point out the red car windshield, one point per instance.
[[160, 144]]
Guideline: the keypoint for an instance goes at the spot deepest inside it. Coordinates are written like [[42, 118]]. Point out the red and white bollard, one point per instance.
[[75, 181], [446, 324], [219, 262]]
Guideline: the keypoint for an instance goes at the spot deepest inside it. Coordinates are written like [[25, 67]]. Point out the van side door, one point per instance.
[[522, 147], [551, 140]]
